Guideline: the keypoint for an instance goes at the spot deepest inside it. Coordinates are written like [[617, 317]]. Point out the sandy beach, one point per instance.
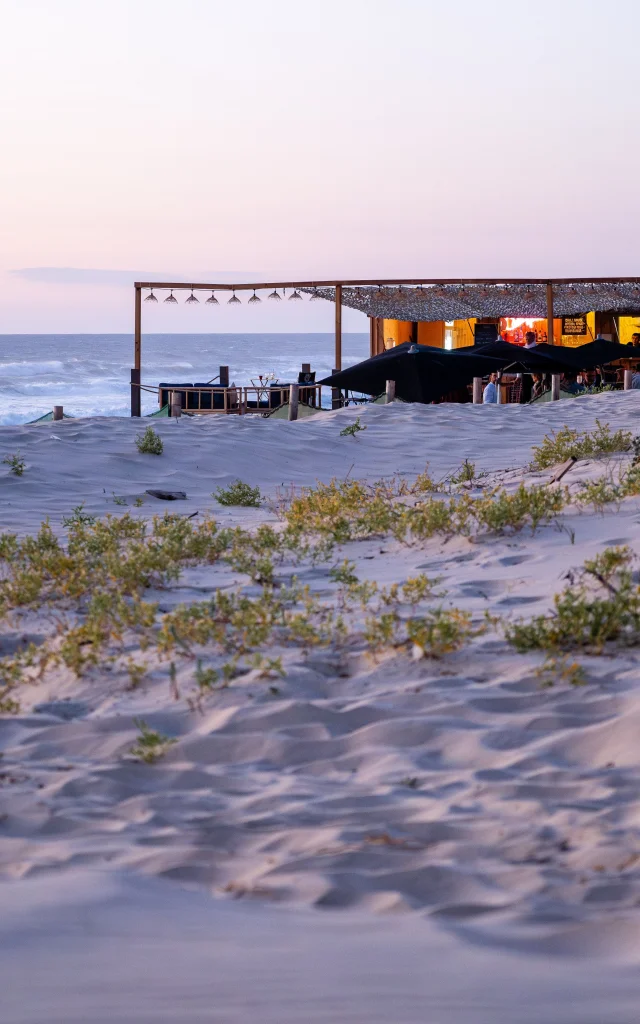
[[422, 820]]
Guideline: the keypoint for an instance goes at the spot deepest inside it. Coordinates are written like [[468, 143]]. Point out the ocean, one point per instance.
[[89, 374]]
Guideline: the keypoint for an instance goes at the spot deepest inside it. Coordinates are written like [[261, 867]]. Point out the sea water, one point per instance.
[[89, 374]]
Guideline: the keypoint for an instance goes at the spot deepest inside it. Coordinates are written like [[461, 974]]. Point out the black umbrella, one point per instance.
[[594, 353], [540, 359], [421, 373]]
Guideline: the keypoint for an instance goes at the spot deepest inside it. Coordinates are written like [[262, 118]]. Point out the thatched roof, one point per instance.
[[460, 302]]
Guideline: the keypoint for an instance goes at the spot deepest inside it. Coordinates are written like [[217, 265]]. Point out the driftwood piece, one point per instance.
[[563, 469], [168, 495]]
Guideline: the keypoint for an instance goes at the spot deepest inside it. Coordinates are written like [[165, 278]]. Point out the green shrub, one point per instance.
[[352, 429], [527, 506], [149, 443], [151, 745], [567, 442], [16, 464], [238, 493], [583, 617]]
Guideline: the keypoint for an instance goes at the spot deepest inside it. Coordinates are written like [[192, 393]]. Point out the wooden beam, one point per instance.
[[382, 282], [338, 339], [550, 313]]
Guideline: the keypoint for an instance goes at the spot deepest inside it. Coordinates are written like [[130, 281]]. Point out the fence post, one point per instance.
[[58, 413], [390, 391], [175, 403], [477, 390], [628, 379], [555, 387], [294, 395]]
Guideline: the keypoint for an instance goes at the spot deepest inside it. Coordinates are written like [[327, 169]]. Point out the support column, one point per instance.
[[550, 338], [555, 387], [477, 390], [372, 336], [137, 353], [136, 398], [338, 352]]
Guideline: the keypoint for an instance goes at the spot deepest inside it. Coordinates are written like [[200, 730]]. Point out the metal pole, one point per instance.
[[628, 378], [338, 353], [555, 387], [390, 391], [477, 390], [550, 313], [294, 395], [500, 395]]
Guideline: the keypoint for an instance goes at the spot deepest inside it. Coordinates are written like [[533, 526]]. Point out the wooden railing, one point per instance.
[[239, 400]]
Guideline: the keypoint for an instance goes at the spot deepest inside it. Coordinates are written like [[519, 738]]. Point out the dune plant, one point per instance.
[[149, 443], [238, 493], [567, 443], [15, 463], [78, 517], [353, 429], [602, 605], [151, 745]]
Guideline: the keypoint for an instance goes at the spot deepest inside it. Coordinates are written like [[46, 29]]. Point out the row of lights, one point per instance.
[[212, 301]]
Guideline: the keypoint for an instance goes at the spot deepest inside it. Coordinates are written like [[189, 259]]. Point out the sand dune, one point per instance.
[[458, 790]]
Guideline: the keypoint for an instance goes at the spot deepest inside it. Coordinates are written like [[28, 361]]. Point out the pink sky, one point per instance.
[[352, 138]]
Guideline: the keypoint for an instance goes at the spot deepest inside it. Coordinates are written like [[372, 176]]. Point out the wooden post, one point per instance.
[[175, 403], [137, 352], [136, 397], [294, 394], [224, 376], [555, 387], [477, 390], [372, 336], [338, 353], [390, 391], [58, 412], [628, 379], [336, 396], [550, 314]]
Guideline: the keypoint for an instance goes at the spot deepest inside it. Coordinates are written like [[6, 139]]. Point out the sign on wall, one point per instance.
[[572, 325], [484, 334]]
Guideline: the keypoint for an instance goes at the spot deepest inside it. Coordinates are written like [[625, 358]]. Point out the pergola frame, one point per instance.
[[337, 286]]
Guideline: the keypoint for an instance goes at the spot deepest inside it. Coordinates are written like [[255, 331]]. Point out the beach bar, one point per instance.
[[444, 313]]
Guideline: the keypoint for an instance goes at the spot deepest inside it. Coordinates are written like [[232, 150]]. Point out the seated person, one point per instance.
[[570, 384], [538, 385]]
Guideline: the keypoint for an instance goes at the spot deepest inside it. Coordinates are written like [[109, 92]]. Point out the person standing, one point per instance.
[[490, 393], [530, 341]]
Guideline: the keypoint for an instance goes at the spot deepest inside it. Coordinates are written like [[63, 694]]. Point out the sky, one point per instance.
[[208, 140]]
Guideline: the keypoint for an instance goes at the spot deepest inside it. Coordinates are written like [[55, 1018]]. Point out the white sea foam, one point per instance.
[[90, 374]]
